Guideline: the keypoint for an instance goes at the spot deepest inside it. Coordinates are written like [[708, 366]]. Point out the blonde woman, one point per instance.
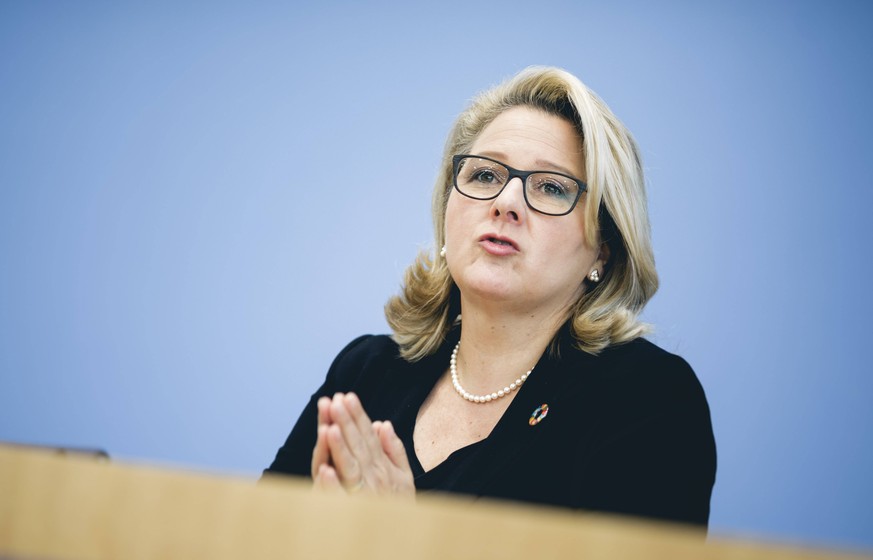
[[516, 367]]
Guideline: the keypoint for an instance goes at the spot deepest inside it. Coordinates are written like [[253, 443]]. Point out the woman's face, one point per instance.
[[502, 251]]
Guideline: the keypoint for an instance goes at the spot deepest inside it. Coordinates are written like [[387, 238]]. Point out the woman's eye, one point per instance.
[[553, 189], [485, 176]]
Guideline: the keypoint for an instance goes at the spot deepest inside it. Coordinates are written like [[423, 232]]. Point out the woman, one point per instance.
[[516, 368]]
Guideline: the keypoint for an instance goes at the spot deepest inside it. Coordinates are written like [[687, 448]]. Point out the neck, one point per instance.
[[498, 345]]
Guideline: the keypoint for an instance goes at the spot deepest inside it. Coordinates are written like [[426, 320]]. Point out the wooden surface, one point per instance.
[[77, 506]]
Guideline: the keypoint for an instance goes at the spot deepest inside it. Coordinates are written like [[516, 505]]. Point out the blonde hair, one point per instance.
[[615, 213]]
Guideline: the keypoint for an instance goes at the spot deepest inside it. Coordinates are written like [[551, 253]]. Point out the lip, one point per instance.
[[498, 244]]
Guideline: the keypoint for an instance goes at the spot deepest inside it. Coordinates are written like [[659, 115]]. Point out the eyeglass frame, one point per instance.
[[513, 173]]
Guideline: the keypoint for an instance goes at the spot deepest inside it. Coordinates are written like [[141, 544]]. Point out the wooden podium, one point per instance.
[[59, 507]]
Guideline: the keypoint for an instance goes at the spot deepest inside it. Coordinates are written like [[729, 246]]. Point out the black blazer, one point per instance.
[[627, 431]]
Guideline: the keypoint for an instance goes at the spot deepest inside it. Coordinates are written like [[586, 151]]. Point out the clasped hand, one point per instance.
[[356, 454]]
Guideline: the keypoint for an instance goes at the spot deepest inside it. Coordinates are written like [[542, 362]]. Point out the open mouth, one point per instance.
[[501, 242]]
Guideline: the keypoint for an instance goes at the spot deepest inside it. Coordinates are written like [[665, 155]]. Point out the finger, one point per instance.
[[321, 452], [326, 480], [393, 446], [401, 480], [347, 466], [363, 423], [323, 406], [355, 440]]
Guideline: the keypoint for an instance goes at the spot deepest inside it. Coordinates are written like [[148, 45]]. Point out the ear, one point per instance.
[[598, 267], [602, 258]]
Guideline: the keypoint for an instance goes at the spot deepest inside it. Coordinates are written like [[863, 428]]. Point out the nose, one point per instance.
[[510, 204]]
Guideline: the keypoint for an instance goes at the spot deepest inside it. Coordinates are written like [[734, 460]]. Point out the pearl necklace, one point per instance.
[[453, 367]]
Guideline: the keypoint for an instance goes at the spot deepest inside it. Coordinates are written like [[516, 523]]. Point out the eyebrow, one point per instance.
[[544, 164]]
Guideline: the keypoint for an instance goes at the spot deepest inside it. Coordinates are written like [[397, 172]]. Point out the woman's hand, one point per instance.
[[353, 453]]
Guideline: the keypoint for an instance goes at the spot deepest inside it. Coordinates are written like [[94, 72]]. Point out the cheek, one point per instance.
[[578, 235], [575, 252], [454, 218], [449, 221]]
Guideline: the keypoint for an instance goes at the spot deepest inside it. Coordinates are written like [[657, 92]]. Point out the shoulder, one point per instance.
[[646, 363], [367, 352], [642, 351], [369, 346], [645, 378]]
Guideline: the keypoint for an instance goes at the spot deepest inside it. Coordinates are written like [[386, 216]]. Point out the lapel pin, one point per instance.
[[538, 414]]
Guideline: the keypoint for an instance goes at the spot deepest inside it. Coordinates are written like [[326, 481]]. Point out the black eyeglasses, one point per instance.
[[547, 192]]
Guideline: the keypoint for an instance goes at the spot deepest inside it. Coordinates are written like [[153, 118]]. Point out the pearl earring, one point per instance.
[[594, 276], [443, 251]]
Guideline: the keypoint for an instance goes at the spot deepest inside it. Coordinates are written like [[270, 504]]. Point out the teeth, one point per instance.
[[499, 241]]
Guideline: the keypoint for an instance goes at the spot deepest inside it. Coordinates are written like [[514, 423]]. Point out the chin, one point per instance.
[[491, 291]]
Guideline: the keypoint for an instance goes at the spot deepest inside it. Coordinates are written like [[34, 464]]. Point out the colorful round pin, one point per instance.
[[538, 414]]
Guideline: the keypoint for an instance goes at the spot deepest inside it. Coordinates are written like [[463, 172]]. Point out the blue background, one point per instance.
[[201, 204]]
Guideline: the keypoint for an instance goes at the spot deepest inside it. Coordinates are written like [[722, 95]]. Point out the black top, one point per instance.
[[627, 431]]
